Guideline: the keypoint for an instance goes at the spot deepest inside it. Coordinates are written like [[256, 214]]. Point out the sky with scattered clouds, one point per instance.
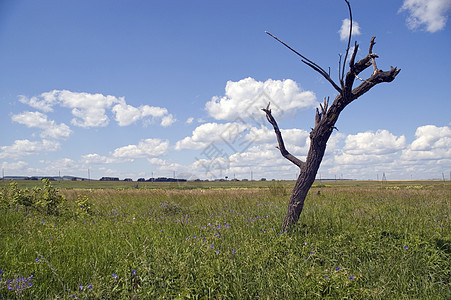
[[135, 89]]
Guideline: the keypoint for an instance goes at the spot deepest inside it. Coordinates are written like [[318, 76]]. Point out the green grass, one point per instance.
[[355, 240]]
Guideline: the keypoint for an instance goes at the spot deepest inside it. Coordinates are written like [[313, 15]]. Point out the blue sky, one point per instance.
[[146, 88]]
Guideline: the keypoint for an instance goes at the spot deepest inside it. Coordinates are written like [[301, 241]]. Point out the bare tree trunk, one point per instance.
[[325, 119], [305, 180]]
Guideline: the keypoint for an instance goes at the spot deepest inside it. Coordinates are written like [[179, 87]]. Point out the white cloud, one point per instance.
[[22, 148], [207, 133], [157, 161], [88, 109], [189, 120], [167, 120], [344, 30], [39, 120], [380, 142], [432, 14], [145, 149], [65, 166], [246, 98], [94, 158], [367, 148], [126, 114], [14, 166], [431, 143], [148, 148]]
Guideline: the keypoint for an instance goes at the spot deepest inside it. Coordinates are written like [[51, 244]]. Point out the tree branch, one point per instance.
[[373, 59], [309, 63], [377, 77], [349, 43], [281, 146]]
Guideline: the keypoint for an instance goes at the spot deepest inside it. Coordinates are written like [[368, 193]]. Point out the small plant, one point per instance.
[[83, 205], [49, 200]]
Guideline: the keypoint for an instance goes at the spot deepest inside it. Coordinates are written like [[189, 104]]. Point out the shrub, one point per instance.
[[47, 199]]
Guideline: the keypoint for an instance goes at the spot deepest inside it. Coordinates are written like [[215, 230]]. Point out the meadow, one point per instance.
[[222, 240]]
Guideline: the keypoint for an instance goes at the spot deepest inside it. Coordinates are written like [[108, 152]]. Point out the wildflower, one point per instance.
[[36, 260], [43, 222], [133, 272], [89, 287], [212, 246], [337, 268], [233, 251], [81, 287], [114, 275], [405, 247], [351, 277], [217, 251]]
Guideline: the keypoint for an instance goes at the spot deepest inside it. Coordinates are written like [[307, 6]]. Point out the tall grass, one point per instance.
[[351, 242]]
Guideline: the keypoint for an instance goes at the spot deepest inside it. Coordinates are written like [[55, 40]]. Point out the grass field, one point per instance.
[[222, 240]]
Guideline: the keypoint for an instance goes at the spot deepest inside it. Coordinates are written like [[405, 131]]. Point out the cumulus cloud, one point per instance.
[[39, 120], [22, 148], [428, 14], [14, 166], [431, 143], [378, 143], [246, 97], [126, 114], [189, 120], [344, 30], [94, 158], [90, 110], [369, 147], [64, 166], [145, 149], [207, 133], [167, 120]]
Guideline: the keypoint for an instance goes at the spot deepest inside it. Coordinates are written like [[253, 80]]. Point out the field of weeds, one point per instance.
[[359, 240]]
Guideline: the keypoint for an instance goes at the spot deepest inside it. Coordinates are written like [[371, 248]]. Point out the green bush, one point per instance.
[[47, 199]]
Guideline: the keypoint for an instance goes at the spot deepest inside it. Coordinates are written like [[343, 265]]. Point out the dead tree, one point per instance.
[[326, 117]]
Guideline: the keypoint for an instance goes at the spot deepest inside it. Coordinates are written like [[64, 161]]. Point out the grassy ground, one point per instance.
[[358, 240]]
